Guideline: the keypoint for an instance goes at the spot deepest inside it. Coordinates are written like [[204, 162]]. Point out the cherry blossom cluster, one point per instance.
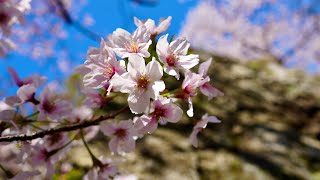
[[47, 27], [11, 12], [39, 125], [257, 29]]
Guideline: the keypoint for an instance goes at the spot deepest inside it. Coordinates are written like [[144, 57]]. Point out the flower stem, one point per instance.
[[169, 93], [95, 161], [31, 115], [8, 173]]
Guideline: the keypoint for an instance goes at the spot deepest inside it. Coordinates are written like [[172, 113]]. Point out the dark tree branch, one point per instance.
[[67, 128], [69, 20], [146, 2]]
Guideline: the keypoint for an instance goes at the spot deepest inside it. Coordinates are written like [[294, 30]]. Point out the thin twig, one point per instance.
[[67, 128], [95, 161], [8, 173]]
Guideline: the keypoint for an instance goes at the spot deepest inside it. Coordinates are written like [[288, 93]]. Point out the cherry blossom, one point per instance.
[[124, 44], [141, 82], [122, 136], [42, 158], [25, 175], [7, 115], [24, 94], [35, 80], [245, 30], [27, 88], [106, 170], [52, 106], [45, 28], [151, 27], [174, 55], [5, 45], [4, 106], [100, 66], [81, 113], [190, 85], [126, 177], [12, 12], [55, 141], [206, 88], [201, 125], [94, 98], [49, 122], [162, 110]]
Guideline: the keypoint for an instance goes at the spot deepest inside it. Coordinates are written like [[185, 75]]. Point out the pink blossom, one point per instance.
[[126, 177], [162, 110], [35, 80], [24, 94], [27, 88], [100, 66], [53, 107], [201, 125], [206, 88], [151, 27], [90, 132], [284, 33], [174, 55], [41, 157], [122, 136], [55, 141], [141, 82], [88, 20], [25, 175], [4, 106], [80, 114], [94, 98], [12, 12], [7, 113], [124, 44], [190, 85], [106, 170], [191, 82], [5, 45]]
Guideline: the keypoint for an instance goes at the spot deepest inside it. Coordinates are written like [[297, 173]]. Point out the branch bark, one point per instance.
[[84, 124]]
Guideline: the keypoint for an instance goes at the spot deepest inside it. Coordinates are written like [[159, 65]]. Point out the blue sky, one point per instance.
[[108, 15]]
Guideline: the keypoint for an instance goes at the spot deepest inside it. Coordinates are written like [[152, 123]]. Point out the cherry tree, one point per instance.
[[42, 34], [47, 24], [40, 124], [257, 29], [11, 13]]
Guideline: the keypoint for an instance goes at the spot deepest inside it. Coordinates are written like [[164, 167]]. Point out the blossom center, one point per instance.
[[171, 60], [143, 82], [109, 71], [190, 91], [133, 47], [48, 106], [120, 133], [159, 112]]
